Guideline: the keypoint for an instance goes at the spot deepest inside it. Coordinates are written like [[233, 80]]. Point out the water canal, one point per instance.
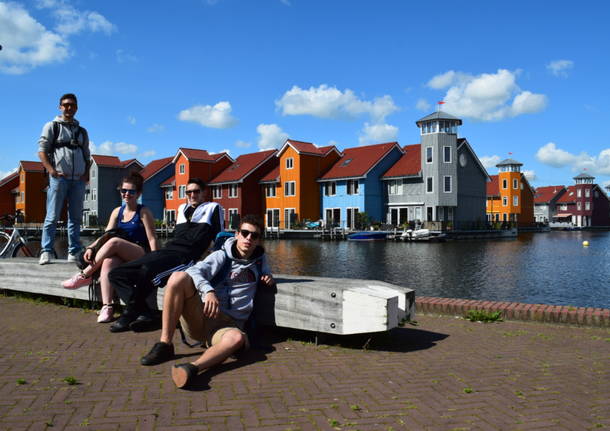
[[549, 268]]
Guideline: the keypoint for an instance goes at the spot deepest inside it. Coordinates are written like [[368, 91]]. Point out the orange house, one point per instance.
[[191, 163], [291, 191], [510, 198], [9, 187], [32, 197]]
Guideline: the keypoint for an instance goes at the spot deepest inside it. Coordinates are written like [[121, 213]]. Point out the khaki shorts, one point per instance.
[[201, 328]]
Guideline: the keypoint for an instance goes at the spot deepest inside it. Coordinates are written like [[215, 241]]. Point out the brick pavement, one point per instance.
[[443, 374]]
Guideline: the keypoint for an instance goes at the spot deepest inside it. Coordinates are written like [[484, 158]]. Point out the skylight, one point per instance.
[[346, 162]]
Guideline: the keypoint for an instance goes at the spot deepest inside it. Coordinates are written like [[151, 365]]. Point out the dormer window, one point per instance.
[[289, 163]]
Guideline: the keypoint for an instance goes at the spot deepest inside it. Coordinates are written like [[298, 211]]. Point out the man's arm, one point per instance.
[[44, 148], [202, 273], [86, 154]]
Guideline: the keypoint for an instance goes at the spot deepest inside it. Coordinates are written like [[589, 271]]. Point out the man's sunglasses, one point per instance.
[[253, 235], [129, 191], [191, 192]]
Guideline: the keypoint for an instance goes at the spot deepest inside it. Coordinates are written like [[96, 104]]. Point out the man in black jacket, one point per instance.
[[197, 225]]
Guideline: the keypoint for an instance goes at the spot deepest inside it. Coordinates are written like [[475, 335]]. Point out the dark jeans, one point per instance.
[[133, 280]]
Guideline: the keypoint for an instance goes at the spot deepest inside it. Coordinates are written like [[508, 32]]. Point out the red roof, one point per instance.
[[243, 166], [408, 165], [31, 166], [107, 161], [493, 186], [9, 178], [194, 155], [155, 166], [569, 196], [547, 194], [129, 162], [272, 177], [169, 182], [358, 161], [308, 148]]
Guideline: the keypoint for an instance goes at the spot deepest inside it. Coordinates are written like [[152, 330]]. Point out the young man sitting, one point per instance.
[[213, 300]]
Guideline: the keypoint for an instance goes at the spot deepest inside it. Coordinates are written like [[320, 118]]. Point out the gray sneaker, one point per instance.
[[45, 257]]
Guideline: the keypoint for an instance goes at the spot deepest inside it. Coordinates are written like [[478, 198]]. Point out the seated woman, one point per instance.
[[138, 223]]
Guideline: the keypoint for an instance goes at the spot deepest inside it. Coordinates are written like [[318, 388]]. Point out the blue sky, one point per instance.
[[527, 78]]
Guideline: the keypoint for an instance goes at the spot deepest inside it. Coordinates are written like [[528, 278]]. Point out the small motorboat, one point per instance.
[[367, 235]]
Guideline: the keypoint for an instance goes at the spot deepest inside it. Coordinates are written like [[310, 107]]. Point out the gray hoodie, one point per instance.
[[72, 162], [236, 293]]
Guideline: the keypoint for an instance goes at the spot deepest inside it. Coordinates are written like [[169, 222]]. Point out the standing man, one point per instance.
[[63, 149], [213, 300], [197, 225]]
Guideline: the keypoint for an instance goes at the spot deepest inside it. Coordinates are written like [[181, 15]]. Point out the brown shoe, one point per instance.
[[184, 374]]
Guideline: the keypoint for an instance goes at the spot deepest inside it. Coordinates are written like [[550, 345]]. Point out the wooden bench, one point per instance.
[[321, 304]]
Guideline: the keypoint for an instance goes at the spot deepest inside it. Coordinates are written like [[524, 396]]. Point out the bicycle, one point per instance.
[[14, 245]]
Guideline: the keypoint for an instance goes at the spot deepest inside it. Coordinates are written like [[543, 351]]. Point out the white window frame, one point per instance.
[[290, 163], [93, 194], [587, 206], [504, 201], [431, 156], [270, 190], [92, 171], [445, 154], [169, 194], [515, 201], [181, 169], [587, 193], [216, 192], [504, 184], [330, 188], [353, 187], [429, 184], [515, 184], [445, 183], [233, 191], [287, 212], [182, 192], [229, 212], [578, 206], [290, 188], [578, 193]]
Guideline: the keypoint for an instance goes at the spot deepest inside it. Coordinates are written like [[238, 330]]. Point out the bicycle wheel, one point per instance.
[[5, 240], [22, 250]]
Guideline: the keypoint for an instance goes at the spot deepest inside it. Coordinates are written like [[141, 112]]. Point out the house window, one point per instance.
[[578, 206], [290, 188], [289, 217], [289, 163], [515, 184], [563, 207], [181, 192], [587, 193], [578, 193], [504, 184], [330, 188], [273, 217], [181, 169], [429, 185], [217, 192], [92, 170], [93, 194], [233, 218], [428, 154], [169, 194], [352, 187], [232, 190], [270, 190], [170, 216], [395, 187], [351, 218], [504, 201], [587, 206], [515, 201], [447, 183], [447, 154]]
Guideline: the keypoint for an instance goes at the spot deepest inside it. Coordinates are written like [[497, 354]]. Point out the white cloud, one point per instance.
[[242, 144], [109, 148], [560, 68], [217, 116], [530, 175], [377, 133], [156, 128], [486, 97], [123, 56], [329, 102], [270, 136], [422, 105], [490, 161], [551, 155], [27, 43], [132, 120], [148, 153], [73, 21]]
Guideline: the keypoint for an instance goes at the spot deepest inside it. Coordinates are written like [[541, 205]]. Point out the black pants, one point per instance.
[[133, 280]]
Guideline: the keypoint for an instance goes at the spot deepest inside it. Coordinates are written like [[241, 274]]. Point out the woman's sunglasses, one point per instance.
[[129, 191]]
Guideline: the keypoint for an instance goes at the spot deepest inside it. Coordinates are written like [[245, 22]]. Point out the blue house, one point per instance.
[[353, 184], [155, 173]]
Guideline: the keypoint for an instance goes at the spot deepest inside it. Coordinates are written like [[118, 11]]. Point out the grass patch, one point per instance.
[[484, 316], [21, 381], [468, 390], [70, 380]]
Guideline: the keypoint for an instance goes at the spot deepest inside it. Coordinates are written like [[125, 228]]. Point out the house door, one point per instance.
[[429, 216], [351, 218], [289, 218], [273, 218]]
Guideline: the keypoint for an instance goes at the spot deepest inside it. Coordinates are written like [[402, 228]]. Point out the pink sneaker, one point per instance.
[[106, 314], [78, 280]]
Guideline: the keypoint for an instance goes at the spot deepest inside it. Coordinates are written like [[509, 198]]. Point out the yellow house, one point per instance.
[[292, 193]]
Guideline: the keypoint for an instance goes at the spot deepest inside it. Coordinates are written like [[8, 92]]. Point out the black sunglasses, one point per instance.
[[195, 191], [130, 191], [253, 235]]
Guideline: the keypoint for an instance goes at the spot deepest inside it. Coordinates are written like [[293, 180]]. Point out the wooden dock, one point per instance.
[[328, 305]]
